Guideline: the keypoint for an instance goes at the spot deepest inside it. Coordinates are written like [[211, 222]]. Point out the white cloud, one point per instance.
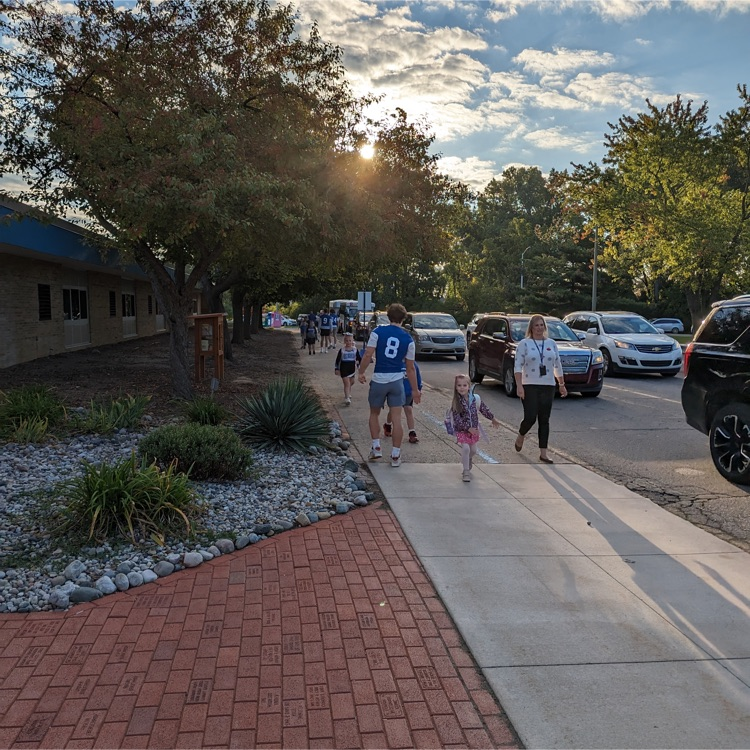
[[553, 67], [474, 172], [560, 138]]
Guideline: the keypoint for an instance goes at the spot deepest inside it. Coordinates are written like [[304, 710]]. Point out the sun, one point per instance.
[[367, 151]]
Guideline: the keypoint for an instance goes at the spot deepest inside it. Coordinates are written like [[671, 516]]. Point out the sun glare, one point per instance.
[[367, 151]]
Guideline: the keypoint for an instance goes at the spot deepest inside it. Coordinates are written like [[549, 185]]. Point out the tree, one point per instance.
[[176, 128]]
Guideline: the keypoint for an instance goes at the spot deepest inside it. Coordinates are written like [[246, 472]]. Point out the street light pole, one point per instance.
[[593, 284], [520, 309]]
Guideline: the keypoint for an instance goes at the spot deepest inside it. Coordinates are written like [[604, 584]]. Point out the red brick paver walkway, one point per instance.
[[328, 636]]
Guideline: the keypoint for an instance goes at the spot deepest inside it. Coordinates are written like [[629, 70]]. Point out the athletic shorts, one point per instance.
[[391, 393], [325, 332], [347, 369]]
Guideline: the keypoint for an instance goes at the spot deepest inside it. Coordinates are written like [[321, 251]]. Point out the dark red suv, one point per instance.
[[492, 351]]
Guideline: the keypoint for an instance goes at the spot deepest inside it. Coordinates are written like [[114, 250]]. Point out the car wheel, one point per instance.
[[591, 394], [729, 438], [474, 375], [675, 330], [509, 381], [609, 368], [460, 357], [668, 374]]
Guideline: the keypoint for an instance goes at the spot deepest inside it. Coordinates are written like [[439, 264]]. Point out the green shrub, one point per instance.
[[31, 430], [287, 416], [127, 499], [31, 404], [122, 412], [203, 451], [204, 410]]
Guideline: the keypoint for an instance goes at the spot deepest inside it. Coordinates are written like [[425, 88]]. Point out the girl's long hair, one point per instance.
[[458, 405]]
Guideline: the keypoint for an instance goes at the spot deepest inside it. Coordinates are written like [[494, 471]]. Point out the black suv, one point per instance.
[[492, 351], [716, 390]]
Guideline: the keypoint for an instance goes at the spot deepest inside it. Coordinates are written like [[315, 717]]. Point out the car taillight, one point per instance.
[[686, 358]]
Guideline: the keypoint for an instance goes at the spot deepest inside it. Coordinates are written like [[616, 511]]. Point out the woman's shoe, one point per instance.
[[518, 446], [466, 476], [546, 460]]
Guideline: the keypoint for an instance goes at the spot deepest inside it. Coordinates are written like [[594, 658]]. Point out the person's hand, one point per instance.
[[495, 423], [417, 397], [362, 378], [563, 390], [473, 431], [520, 391]]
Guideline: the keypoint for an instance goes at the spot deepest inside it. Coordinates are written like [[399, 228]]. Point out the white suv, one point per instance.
[[628, 342]]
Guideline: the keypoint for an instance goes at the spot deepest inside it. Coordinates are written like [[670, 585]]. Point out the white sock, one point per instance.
[[395, 452], [376, 445]]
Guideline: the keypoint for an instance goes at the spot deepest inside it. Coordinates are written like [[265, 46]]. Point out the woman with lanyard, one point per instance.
[[536, 369]]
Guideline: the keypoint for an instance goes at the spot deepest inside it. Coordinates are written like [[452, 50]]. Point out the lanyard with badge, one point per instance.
[[542, 366]]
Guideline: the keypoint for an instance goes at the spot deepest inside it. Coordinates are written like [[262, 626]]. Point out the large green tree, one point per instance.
[[179, 129]]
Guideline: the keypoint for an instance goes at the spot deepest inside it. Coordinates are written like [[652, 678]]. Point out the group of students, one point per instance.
[[397, 383], [323, 328]]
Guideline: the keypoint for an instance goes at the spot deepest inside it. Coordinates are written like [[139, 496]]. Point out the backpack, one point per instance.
[[450, 428]]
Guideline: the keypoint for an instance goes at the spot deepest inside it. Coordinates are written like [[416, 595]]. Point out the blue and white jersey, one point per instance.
[[325, 321], [392, 346]]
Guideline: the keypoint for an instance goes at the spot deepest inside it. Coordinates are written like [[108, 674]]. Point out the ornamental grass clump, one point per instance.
[[286, 416], [32, 409], [204, 410], [108, 416], [205, 452], [127, 500]]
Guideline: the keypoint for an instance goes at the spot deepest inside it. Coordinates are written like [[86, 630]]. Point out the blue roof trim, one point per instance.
[[58, 242]]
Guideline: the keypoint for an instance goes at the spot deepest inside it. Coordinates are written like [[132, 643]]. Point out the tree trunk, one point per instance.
[[247, 322], [255, 324], [238, 331], [179, 339]]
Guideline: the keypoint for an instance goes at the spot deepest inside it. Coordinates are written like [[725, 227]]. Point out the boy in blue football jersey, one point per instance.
[[393, 350]]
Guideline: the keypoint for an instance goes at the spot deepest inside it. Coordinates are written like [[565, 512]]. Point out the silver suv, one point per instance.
[[436, 333], [627, 341]]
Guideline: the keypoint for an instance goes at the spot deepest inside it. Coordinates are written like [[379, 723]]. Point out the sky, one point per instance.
[[535, 83]]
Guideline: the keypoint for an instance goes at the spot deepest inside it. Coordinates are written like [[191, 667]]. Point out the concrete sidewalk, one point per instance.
[[599, 619]]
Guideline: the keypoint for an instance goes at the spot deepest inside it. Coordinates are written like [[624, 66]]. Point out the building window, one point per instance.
[[128, 305], [112, 305], [150, 305], [45, 301], [75, 304]]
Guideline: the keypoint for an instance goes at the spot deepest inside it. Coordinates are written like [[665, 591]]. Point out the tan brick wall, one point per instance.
[[27, 338]]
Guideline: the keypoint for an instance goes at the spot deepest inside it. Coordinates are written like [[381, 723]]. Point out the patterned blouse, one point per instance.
[[530, 353], [464, 420]]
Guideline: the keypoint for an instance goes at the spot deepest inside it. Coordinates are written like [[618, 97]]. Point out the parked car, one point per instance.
[[436, 333], [492, 351], [627, 341], [668, 325], [378, 318], [288, 322], [472, 325], [716, 389]]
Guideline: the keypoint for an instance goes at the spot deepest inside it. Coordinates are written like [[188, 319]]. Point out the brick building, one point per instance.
[[59, 291]]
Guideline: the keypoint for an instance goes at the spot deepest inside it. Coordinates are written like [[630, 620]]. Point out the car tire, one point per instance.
[[591, 394], [729, 440], [609, 367], [668, 374], [509, 381], [675, 330], [474, 375], [460, 357]]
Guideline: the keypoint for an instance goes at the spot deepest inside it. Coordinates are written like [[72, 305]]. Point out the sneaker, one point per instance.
[[396, 460], [375, 454], [347, 401], [466, 476], [387, 429], [413, 437]]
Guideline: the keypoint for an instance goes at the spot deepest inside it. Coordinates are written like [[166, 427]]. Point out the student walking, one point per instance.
[[536, 368], [325, 331], [311, 336], [463, 418], [408, 409], [347, 361], [393, 350], [303, 330]]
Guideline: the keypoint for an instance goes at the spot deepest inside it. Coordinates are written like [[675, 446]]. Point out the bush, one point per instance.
[[204, 410], [32, 404], [123, 412], [127, 500], [202, 451], [287, 416]]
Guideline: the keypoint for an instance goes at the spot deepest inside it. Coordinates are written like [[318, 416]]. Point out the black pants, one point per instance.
[[537, 404]]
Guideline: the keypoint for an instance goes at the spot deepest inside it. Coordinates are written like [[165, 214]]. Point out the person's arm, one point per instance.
[[557, 368], [337, 365], [364, 364], [518, 368], [411, 375]]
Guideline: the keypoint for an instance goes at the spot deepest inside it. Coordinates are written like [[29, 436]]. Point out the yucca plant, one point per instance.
[[204, 410], [31, 404], [286, 416], [127, 499]]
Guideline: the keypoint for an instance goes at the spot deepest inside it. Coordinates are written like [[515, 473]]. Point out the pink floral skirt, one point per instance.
[[467, 437]]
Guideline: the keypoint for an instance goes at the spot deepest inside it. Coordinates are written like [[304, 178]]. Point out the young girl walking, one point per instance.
[[463, 418]]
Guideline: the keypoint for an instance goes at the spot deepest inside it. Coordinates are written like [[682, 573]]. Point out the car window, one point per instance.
[[558, 331], [490, 327], [725, 326], [434, 322], [612, 324], [518, 329]]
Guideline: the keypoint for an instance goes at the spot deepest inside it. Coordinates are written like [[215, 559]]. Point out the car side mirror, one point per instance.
[[407, 326], [661, 330], [581, 335], [499, 335], [462, 327], [592, 330]]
